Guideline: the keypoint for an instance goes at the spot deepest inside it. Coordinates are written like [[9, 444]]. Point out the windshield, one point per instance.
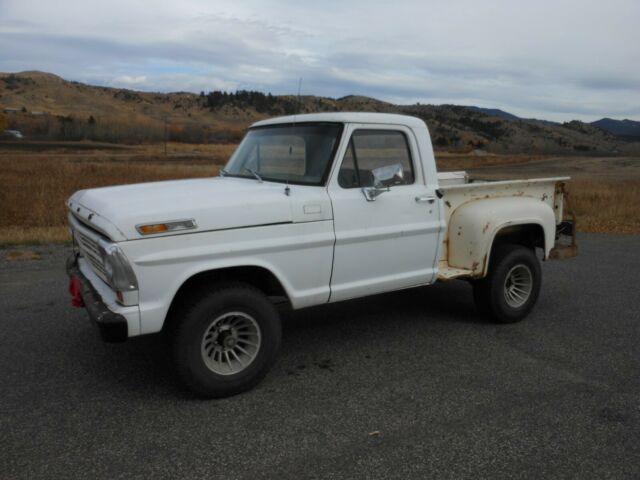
[[288, 153]]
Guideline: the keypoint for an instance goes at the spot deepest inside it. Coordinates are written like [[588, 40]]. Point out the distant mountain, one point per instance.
[[623, 128], [45, 106], [495, 112]]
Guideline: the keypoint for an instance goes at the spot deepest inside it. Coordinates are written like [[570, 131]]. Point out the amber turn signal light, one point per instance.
[[163, 227]]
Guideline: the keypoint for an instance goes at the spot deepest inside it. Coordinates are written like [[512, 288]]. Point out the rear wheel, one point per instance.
[[226, 340], [512, 286]]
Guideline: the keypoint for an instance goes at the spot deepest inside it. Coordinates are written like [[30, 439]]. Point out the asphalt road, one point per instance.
[[450, 395]]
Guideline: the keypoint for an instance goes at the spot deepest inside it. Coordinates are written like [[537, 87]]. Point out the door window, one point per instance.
[[371, 149]]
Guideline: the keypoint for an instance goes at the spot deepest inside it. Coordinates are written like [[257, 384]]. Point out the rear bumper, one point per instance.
[[113, 326], [565, 231]]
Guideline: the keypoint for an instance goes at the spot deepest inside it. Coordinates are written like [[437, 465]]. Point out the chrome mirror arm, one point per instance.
[[371, 193]]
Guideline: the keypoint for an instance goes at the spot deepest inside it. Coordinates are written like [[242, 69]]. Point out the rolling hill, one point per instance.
[[623, 128], [45, 106]]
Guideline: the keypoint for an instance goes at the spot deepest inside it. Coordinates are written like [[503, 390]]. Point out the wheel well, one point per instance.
[[529, 235], [259, 277]]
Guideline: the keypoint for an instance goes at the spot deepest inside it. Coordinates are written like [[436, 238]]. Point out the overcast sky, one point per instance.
[[556, 60]]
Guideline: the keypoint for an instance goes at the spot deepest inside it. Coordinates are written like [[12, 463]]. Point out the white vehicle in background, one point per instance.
[[14, 134], [309, 209]]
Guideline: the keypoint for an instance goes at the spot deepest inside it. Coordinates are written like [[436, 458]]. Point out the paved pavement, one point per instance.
[[448, 394]]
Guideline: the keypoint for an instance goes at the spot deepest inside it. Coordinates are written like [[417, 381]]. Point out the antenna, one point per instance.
[[299, 88], [297, 103], [287, 189], [296, 112]]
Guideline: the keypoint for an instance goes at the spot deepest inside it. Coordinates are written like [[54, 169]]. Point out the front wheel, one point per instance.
[[226, 341], [512, 286]]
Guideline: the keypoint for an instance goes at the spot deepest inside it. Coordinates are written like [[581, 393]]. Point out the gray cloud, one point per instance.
[[558, 59]]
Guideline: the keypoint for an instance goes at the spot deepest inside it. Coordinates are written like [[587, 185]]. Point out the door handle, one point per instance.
[[426, 199]]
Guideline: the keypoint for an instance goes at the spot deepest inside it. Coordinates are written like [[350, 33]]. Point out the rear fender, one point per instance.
[[474, 226]]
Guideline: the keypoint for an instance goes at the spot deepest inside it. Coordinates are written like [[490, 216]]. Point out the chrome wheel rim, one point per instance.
[[518, 286], [231, 343]]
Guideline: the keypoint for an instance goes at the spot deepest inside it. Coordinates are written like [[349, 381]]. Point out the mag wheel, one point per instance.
[[518, 285], [231, 343]]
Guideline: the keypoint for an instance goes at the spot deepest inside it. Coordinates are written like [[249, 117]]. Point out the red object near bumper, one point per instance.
[[74, 289]]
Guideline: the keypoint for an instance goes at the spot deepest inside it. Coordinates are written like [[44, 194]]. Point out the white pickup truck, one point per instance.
[[309, 209]]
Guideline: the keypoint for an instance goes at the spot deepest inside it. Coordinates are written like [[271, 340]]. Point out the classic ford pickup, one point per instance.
[[309, 209]]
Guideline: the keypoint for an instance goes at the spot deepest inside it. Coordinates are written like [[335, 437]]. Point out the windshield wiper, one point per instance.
[[254, 173], [222, 172]]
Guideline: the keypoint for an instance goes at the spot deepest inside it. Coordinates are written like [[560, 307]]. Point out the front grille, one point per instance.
[[91, 251]]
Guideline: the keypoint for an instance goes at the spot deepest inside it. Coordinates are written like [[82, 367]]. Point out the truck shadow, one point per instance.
[[360, 323]]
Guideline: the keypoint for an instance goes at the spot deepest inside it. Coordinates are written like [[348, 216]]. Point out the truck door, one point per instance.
[[389, 240]]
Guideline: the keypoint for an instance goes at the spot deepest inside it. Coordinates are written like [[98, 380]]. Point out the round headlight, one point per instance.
[[117, 269]]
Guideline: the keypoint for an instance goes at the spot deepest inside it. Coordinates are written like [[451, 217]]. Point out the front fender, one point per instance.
[[299, 255], [474, 225]]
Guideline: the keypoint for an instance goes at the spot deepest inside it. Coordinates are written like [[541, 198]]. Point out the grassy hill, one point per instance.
[[45, 106]]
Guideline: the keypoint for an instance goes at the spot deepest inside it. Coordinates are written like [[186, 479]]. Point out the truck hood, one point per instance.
[[214, 203]]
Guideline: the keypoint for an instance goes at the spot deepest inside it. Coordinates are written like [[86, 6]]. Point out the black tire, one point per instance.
[[191, 326], [490, 293]]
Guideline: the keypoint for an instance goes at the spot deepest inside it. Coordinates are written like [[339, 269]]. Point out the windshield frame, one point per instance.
[[327, 170]]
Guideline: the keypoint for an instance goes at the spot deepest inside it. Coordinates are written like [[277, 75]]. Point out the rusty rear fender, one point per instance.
[[474, 226]]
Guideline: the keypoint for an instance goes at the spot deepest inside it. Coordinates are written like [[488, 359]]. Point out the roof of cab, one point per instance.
[[346, 117]]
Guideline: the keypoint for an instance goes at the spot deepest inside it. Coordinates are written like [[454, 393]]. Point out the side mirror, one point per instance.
[[383, 178], [387, 175]]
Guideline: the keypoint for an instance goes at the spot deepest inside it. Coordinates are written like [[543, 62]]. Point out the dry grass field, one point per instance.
[[34, 185], [603, 205], [605, 190]]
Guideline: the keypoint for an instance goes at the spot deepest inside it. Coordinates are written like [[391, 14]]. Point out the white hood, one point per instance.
[[214, 203]]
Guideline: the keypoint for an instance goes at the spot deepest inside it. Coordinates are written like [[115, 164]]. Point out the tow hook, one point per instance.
[[75, 289]]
